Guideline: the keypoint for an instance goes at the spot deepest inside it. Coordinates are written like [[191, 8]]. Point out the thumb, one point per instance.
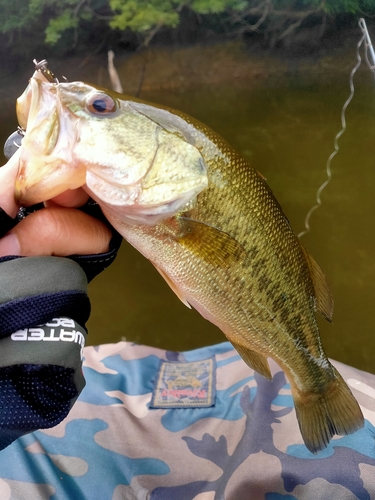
[[57, 231]]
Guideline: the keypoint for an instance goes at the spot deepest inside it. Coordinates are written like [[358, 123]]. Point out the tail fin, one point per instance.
[[320, 416]]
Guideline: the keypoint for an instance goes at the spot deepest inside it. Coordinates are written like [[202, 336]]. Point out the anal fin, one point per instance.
[[255, 360]]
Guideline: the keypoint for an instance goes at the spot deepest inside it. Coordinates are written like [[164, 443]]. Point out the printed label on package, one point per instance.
[[185, 385]]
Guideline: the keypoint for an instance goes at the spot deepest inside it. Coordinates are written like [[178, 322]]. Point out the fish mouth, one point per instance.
[[45, 162]]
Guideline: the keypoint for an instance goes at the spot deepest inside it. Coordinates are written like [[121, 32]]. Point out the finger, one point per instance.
[[71, 198], [7, 177], [57, 231]]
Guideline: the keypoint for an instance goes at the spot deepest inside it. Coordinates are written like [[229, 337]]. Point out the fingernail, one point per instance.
[[9, 245]]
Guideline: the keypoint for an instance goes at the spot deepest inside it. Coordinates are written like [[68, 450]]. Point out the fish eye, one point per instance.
[[101, 104]]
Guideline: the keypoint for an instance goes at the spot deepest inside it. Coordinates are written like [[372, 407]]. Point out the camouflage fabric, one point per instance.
[[245, 446]]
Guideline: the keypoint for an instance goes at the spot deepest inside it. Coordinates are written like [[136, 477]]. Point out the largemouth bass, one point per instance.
[[206, 220]]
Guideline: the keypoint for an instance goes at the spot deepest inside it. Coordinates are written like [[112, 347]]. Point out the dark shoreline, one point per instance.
[[222, 63], [212, 63]]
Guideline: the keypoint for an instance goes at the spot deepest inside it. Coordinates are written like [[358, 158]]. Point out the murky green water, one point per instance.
[[287, 132]]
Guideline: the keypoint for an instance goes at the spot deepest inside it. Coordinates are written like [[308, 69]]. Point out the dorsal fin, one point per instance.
[[324, 300]]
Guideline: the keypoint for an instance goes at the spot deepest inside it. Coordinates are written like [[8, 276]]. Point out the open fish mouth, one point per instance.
[[45, 152]]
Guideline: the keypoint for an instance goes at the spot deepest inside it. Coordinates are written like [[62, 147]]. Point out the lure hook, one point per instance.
[[42, 67]]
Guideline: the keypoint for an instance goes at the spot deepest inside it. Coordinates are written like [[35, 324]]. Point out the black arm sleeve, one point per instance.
[[43, 310]]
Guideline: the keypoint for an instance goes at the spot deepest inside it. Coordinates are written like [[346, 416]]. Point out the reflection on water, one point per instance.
[[287, 133]]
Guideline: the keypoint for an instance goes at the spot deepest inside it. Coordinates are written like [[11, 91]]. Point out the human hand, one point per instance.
[[58, 229], [44, 297]]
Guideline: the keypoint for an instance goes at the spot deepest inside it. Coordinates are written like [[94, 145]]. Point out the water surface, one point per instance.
[[286, 130]]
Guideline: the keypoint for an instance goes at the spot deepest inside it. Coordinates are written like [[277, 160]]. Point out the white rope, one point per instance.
[[364, 36]]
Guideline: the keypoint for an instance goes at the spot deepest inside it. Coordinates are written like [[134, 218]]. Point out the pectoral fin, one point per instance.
[[209, 243], [255, 360], [324, 300]]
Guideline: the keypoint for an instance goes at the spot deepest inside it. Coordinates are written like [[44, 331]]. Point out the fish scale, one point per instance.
[[212, 228]]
